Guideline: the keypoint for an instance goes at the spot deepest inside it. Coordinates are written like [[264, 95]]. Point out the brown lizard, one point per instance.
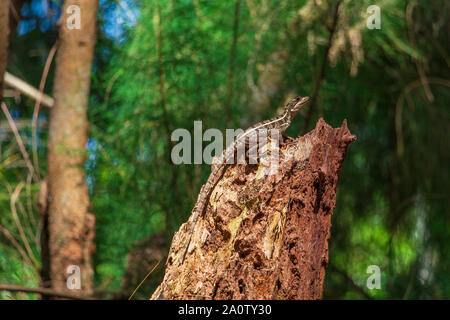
[[280, 123]]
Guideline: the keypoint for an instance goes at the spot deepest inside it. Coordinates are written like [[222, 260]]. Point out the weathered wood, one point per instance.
[[264, 236]]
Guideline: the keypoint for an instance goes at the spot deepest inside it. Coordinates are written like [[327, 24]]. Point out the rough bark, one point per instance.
[[4, 35], [264, 236], [71, 227]]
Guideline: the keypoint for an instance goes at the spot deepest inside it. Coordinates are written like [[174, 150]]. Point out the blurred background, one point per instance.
[[160, 65]]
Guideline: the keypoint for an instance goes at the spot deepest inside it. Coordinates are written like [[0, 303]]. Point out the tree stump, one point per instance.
[[264, 236]]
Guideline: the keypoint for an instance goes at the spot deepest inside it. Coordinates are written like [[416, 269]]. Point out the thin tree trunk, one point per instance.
[[9, 18], [264, 236], [237, 6], [71, 227], [14, 16], [44, 238], [323, 67], [4, 35]]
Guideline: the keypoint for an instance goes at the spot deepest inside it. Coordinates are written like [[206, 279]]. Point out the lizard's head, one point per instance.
[[296, 104]]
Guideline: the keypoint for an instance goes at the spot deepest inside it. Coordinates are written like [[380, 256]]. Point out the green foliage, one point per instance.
[[13, 270], [177, 65]]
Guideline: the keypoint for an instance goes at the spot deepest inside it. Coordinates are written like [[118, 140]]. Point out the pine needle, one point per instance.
[[144, 280]]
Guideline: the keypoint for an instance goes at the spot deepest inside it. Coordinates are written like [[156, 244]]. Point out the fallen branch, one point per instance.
[[43, 291], [27, 89]]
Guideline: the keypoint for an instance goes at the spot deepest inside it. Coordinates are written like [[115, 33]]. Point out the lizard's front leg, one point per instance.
[[285, 140]]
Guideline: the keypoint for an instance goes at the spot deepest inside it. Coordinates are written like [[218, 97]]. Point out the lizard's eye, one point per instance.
[[300, 103]]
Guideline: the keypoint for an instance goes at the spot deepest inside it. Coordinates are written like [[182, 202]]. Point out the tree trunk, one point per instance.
[[71, 227], [14, 16], [4, 35], [264, 236]]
